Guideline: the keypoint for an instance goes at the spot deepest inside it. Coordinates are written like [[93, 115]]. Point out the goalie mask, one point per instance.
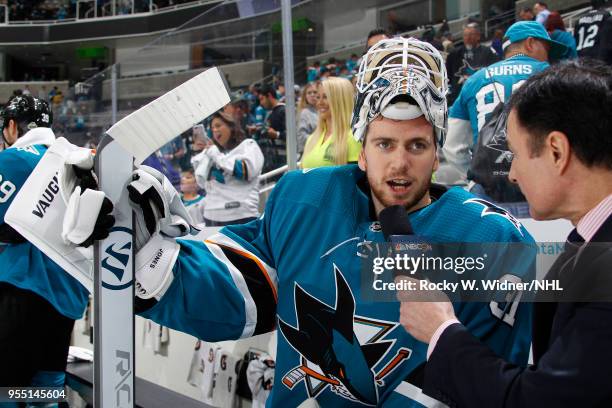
[[401, 79]]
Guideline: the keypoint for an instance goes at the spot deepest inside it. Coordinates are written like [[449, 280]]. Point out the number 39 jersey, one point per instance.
[[484, 90], [21, 264], [593, 34], [298, 268]]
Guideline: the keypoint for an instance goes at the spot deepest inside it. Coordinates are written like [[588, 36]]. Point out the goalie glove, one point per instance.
[[160, 218], [158, 207], [88, 211]]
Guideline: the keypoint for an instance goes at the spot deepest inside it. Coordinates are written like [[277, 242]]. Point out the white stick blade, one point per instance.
[[146, 130]]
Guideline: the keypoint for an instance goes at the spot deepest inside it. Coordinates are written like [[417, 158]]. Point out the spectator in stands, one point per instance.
[[258, 115], [52, 93], [497, 41], [238, 109], [541, 12], [273, 137], [325, 73], [58, 97], [447, 42], [314, 71], [229, 172], [444, 28], [174, 151], [158, 162], [526, 14], [332, 142], [332, 66], [466, 59], [80, 118], [280, 93], [243, 112], [526, 53], [593, 33], [351, 63], [191, 197], [249, 95], [556, 29], [307, 114], [61, 13], [375, 36]]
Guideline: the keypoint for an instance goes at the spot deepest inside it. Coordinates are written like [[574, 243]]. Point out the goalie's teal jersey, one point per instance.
[[23, 265], [297, 269], [491, 85]]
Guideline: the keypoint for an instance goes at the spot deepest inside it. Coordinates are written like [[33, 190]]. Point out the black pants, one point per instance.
[[34, 336]]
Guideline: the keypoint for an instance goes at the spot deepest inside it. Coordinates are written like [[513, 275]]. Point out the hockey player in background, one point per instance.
[[38, 301], [298, 267], [593, 32]]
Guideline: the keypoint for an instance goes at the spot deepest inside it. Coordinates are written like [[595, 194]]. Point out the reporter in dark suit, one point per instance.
[[559, 130]]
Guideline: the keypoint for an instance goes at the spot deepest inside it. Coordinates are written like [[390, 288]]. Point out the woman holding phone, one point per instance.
[[229, 169]]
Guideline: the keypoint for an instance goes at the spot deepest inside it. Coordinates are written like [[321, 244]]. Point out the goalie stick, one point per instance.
[[130, 140], [38, 212]]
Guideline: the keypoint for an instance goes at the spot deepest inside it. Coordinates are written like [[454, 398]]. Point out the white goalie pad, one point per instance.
[[38, 211]]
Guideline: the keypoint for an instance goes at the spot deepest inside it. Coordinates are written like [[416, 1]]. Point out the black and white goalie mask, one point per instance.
[[401, 67]]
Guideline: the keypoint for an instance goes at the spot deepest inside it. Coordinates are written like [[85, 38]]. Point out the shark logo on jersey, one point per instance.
[[375, 227], [338, 348], [465, 70], [499, 144], [491, 209]]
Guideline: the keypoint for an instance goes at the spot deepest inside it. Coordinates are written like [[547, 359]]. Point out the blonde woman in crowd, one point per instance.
[[307, 113], [332, 141]]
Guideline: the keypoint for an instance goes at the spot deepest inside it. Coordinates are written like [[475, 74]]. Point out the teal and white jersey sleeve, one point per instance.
[[225, 287]]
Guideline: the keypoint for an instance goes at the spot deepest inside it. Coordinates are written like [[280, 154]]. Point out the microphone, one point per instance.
[[395, 223], [398, 231]]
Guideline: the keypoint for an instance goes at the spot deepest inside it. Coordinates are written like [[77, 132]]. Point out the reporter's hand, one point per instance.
[[422, 312]]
